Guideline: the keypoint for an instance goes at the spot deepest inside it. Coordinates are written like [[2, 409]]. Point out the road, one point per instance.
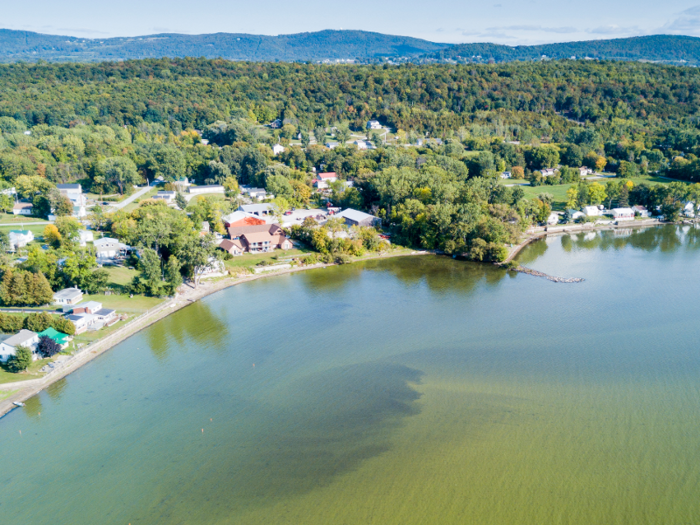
[[129, 200]]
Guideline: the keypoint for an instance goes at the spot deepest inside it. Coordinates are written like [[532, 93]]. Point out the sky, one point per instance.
[[510, 22]]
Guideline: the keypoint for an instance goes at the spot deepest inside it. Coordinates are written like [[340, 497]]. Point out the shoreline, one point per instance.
[[576, 228], [31, 387]]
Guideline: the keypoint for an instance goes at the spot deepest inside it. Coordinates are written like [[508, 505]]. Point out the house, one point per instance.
[[277, 149], [68, 296], [167, 196], [241, 218], [85, 236], [547, 172], [506, 175], [321, 185], [689, 209], [591, 211], [259, 194], [74, 192], [256, 239], [260, 210], [575, 214], [361, 144], [231, 247], [331, 145], [89, 307], [585, 171], [23, 208], [623, 214], [9, 191], [20, 238], [641, 210], [182, 182], [331, 176], [59, 338], [553, 219], [358, 218], [212, 188], [108, 248], [106, 315], [374, 124], [81, 321], [276, 124], [8, 346]]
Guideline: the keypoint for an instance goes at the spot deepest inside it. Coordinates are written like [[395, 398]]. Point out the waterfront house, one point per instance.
[[641, 210], [575, 214], [68, 296], [23, 208], [623, 214], [256, 239], [106, 316], [80, 321], [88, 307], [553, 218], [20, 238], [9, 344], [358, 218], [591, 211], [59, 338], [689, 209]]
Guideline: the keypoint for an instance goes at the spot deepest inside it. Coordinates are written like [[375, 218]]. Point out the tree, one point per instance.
[[342, 133], [63, 207], [52, 236], [305, 139], [180, 201], [96, 281], [320, 134], [21, 360], [596, 193], [38, 322], [517, 172], [218, 172], [150, 281], [572, 198], [231, 187], [78, 268], [120, 171], [172, 273], [61, 324], [47, 347], [68, 227], [97, 217], [196, 254]]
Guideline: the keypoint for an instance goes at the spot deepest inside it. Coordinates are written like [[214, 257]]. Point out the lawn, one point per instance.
[[36, 229], [9, 218], [252, 259], [31, 373], [133, 205]]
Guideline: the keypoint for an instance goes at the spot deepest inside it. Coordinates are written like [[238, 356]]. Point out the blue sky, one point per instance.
[[502, 21]]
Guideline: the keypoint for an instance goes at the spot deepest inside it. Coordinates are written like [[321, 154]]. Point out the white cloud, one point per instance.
[[688, 22]]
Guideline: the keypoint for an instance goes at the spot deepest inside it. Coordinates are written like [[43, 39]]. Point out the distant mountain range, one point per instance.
[[334, 46], [323, 45]]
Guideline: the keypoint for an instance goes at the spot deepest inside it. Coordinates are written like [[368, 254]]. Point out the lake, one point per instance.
[[412, 390]]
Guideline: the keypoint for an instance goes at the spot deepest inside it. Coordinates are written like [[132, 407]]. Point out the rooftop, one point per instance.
[[67, 293], [20, 338], [355, 215]]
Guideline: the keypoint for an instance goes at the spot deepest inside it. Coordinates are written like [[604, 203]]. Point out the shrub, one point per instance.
[[21, 360], [38, 322], [47, 347]]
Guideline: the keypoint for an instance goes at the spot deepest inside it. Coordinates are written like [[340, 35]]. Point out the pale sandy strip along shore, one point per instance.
[[29, 388]]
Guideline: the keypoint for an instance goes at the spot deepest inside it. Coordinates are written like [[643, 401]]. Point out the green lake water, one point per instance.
[[415, 390]]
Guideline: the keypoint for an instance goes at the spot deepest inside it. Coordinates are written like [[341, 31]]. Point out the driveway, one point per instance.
[[132, 198]]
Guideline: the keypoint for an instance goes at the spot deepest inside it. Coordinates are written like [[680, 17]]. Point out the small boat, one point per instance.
[[18, 403]]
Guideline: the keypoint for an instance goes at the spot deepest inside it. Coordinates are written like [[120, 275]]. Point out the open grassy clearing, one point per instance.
[[31, 373], [252, 259], [11, 219]]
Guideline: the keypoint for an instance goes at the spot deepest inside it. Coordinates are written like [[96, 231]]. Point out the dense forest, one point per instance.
[[434, 184]]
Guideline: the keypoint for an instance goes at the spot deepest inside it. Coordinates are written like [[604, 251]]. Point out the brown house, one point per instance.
[[255, 239]]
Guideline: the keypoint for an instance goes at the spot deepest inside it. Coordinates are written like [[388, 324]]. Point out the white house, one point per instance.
[[9, 191], [358, 218], [374, 124], [212, 188], [23, 208], [85, 236], [689, 209], [88, 307], [68, 296], [553, 219], [331, 145], [623, 214], [9, 344], [575, 214], [259, 194], [506, 175], [260, 210], [20, 238], [277, 149], [642, 211], [109, 248], [331, 176], [167, 196], [591, 211], [361, 144], [547, 172], [585, 171]]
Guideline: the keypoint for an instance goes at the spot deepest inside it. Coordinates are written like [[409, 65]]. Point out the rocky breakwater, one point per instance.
[[530, 271]]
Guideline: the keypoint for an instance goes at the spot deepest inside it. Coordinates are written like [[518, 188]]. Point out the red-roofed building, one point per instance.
[[327, 177]]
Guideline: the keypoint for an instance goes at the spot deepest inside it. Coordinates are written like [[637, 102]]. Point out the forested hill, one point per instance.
[[322, 45], [672, 49]]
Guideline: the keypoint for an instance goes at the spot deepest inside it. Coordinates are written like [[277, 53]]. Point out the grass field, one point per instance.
[[252, 259], [11, 219], [31, 373], [558, 192], [133, 205]]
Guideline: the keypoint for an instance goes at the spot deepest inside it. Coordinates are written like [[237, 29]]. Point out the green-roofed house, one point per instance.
[[20, 238], [59, 337]]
